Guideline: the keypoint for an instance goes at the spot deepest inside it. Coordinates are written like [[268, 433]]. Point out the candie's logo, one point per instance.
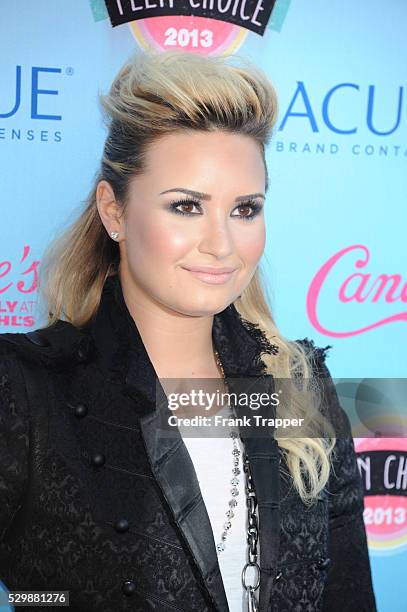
[[22, 277], [355, 289]]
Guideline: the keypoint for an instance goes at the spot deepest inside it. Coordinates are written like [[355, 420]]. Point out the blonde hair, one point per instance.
[[153, 95]]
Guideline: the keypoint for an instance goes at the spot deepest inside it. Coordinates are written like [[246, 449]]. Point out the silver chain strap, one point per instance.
[[252, 538]]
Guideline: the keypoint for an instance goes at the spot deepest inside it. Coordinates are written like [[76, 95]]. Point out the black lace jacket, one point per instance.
[[94, 502]]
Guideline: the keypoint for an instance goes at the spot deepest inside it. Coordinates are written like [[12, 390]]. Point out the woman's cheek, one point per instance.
[[170, 241], [251, 245], [154, 240]]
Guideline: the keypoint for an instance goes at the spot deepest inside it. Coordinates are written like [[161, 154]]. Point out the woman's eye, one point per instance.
[[248, 211], [185, 204]]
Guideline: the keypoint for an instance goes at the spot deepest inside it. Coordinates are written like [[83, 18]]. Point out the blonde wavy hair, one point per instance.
[[151, 96]]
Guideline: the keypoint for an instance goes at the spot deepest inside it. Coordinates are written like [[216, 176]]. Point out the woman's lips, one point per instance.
[[211, 278]]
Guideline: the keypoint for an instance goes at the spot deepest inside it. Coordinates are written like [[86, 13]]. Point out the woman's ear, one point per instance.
[[109, 209]]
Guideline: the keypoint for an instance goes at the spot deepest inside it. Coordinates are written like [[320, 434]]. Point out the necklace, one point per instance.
[[220, 547], [251, 502]]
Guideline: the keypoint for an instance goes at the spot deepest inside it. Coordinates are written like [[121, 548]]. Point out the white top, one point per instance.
[[213, 462]]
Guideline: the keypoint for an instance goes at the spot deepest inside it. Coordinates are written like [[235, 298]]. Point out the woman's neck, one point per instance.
[[179, 346]]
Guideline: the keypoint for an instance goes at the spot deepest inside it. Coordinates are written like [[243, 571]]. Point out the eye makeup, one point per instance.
[[255, 207]]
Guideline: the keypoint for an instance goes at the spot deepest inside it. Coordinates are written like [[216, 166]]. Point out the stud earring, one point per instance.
[[114, 235]]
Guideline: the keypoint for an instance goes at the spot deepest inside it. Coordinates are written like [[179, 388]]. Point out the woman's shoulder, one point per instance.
[[315, 356], [327, 384], [52, 346], [9, 366], [317, 353]]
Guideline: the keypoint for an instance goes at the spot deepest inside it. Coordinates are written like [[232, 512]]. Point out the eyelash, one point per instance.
[[256, 208]]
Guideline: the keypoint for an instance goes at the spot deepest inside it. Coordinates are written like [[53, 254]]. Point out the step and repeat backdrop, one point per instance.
[[336, 220]]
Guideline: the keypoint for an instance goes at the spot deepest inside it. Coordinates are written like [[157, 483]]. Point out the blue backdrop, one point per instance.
[[337, 164]]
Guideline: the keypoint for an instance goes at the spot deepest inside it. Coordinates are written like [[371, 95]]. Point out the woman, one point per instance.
[[93, 500]]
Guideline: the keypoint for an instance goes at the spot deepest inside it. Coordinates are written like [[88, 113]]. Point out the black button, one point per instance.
[[98, 459], [81, 354], [81, 410], [128, 587], [323, 563], [121, 525], [83, 349]]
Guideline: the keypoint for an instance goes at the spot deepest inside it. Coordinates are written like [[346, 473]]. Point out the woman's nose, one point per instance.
[[217, 239]]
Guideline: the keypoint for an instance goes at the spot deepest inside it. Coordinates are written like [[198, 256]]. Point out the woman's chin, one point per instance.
[[204, 308]]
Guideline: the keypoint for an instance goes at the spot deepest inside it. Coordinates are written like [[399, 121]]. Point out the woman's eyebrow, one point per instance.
[[207, 196]]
